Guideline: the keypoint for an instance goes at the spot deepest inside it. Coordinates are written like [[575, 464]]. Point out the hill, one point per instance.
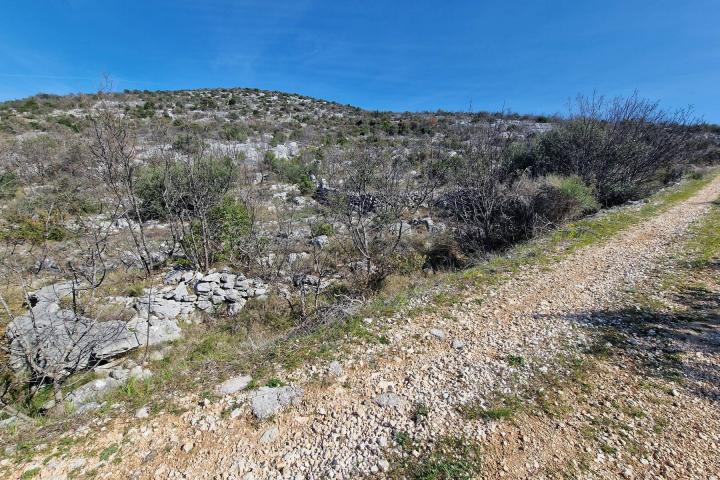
[[273, 285]]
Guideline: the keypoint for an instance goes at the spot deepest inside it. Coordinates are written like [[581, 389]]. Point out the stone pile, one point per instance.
[[187, 290]]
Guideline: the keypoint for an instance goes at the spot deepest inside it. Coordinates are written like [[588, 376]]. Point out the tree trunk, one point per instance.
[[59, 407]]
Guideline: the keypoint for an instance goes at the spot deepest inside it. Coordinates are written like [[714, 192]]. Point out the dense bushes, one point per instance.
[[605, 153], [230, 224], [150, 188], [36, 231], [623, 147], [494, 217], [574, 188]]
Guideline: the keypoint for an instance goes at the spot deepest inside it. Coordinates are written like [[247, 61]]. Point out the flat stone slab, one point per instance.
[[268, 401], [233, 385], [388, 399]]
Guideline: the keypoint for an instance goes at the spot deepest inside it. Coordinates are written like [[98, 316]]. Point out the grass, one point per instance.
[[503, 407], [108, 452], [703, 248], [515, 361], [420, 413], [32, 473], [455, 458]]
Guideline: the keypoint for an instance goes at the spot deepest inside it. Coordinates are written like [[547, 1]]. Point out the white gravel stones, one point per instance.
[[335, 369], [345, 429], [235, 307], [437, 333], [142, 413]]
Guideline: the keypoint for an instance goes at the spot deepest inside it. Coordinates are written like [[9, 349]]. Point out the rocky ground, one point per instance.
[[541, 372]]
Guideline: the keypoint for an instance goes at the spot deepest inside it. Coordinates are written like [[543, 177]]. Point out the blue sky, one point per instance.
[[530, 56]]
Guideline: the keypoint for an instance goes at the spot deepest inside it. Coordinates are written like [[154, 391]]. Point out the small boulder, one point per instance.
[[269, 435], [203, 305], [388, 399], [235, 307], [321, 241], [268, 401], [212, 277], [437, 333], [173, 277], [233, 385], [335, 369], [181, 292]]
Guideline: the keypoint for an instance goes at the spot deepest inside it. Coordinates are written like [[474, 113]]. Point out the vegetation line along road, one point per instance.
[[263, 285]]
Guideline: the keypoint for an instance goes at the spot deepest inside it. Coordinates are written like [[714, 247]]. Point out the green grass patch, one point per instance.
[[109, 452], [703, 247], [32, 473], [502, 408], [452, 458], [515, 361]]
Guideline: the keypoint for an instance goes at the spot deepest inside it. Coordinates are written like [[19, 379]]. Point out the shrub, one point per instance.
[[445, 254], [233, 133], [575, 188], [230, 224], [494, 214], [9, 184], [617, 146], [188, 144], [36, 231], [317, 229], [292, 171], [150, 188], [408, 263], [194, 189]]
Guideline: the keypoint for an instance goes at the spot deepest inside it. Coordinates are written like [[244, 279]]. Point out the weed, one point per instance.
[[420, 413], [274, 382], [515, 360], [503, 407], [32, 473], [108, 452], [403, 439], [453, 458]]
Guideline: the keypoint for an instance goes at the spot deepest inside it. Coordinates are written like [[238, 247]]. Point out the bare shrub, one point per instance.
[[620, 145], [374, 199]]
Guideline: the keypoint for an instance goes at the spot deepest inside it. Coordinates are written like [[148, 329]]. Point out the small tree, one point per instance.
[[50, 343], [194, 191]]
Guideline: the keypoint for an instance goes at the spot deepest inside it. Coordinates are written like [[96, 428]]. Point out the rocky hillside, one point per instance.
[[214, 258]]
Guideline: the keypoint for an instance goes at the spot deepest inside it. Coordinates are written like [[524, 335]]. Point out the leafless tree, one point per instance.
[[51, 342], [114, 150], [375, 197]]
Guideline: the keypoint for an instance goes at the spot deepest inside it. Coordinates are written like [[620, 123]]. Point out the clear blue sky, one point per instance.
[[530, 56]]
